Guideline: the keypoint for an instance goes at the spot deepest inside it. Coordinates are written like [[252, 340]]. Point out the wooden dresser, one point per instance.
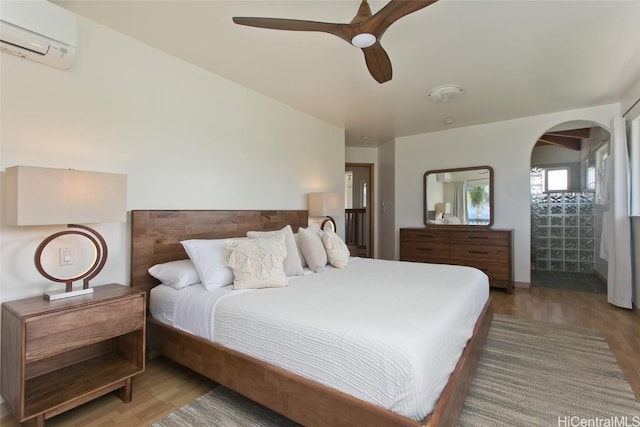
[[489, 250]]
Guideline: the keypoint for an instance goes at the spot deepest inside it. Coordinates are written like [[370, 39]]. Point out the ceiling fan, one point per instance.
[[364, 31]]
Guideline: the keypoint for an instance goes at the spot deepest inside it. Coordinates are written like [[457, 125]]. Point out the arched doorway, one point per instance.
[[566, 217]]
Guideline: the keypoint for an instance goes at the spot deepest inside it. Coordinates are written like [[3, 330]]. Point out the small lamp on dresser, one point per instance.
[[442, 209], [36, 196], [326, 205]]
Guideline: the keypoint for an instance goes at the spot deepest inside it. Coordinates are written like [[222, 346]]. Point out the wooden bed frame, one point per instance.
[[156, 237]]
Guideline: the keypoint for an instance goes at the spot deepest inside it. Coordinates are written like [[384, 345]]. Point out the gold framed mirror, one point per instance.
[[458, 197]]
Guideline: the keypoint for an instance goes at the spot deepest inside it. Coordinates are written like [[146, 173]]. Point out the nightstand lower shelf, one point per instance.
[[58, 391]]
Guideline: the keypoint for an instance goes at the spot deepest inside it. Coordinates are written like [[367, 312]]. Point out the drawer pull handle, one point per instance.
[[424, 235], [425, 249], [479, 252], [478, 237]]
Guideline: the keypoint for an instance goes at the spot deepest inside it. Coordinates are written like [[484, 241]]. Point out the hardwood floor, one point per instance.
[[165, 386]]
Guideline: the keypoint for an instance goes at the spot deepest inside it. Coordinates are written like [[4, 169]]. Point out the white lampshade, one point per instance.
[[442, 208], [325, 204], [46, 196]]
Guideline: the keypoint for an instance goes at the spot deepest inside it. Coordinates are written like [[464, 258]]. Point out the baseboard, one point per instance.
[[4, 408], [600, 276], [522, 285]]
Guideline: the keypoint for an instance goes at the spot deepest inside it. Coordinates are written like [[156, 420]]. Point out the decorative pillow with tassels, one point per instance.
[[257, 263], [337, 250]]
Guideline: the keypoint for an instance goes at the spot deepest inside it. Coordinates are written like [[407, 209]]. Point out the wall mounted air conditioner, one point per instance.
[[443, 177], [38, 31]]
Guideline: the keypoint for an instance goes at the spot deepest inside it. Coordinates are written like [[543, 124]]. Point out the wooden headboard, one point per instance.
[[156, 234]]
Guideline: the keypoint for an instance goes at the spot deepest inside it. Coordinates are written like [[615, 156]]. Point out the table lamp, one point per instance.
[[45, 196]]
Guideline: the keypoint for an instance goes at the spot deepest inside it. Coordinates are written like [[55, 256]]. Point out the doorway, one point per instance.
[[566, 216], [359, 219]]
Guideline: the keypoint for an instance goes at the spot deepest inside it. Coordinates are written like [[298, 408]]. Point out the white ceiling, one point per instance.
[[513, 58]]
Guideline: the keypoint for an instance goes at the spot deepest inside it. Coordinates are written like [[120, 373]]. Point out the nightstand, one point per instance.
[[57, 355]]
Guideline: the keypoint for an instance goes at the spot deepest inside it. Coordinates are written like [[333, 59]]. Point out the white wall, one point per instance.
[[187, 139], [369, 155], [387, 235], [505, 146]]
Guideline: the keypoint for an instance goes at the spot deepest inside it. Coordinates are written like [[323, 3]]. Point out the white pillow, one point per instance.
[[208, 258], [257, 263], [292, 262], [337, 250], [312, 249], [451, 220], [177, 274]]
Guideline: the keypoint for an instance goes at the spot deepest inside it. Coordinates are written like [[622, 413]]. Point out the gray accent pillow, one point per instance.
[[312, 249]]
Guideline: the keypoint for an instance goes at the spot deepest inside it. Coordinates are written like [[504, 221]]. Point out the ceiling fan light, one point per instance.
[[445, 93], [363, 40]]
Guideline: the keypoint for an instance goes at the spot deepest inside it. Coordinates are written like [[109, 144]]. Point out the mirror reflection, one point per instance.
[[462, 196]]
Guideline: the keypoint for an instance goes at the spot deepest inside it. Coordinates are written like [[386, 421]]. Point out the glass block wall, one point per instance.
[[562, 228]]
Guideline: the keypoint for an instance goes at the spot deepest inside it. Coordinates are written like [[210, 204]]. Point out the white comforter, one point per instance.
[[386, 332]]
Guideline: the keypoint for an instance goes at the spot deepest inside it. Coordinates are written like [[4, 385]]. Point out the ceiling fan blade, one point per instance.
[[390, 13], [344, 31], [364, 13], [378, 63]]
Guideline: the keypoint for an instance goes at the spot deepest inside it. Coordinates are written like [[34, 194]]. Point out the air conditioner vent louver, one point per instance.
[[21, 38]]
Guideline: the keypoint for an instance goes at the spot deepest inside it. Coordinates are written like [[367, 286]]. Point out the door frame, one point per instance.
[[370, 202]]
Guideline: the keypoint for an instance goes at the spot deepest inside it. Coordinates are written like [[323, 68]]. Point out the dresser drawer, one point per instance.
[[56, 333], [423, 235], [493, 238], [424, 252], [479, 253], [499, 274]]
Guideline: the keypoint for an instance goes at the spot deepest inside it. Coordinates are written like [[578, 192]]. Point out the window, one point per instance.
[[478, 202], [556, 179], [364, 194], [348, 190], [591, 178], [601, 156]]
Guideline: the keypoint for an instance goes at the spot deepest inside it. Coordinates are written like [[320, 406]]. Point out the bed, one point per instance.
[[156, 237]]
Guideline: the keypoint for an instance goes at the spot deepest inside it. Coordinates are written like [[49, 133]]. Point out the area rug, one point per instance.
[[530, 374]]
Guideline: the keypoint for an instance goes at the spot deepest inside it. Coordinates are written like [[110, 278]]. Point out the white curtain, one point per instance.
[[459, 201], [618, 227]]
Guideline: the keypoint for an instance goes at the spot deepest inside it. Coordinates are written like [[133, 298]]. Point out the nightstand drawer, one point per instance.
[[56, 333]]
